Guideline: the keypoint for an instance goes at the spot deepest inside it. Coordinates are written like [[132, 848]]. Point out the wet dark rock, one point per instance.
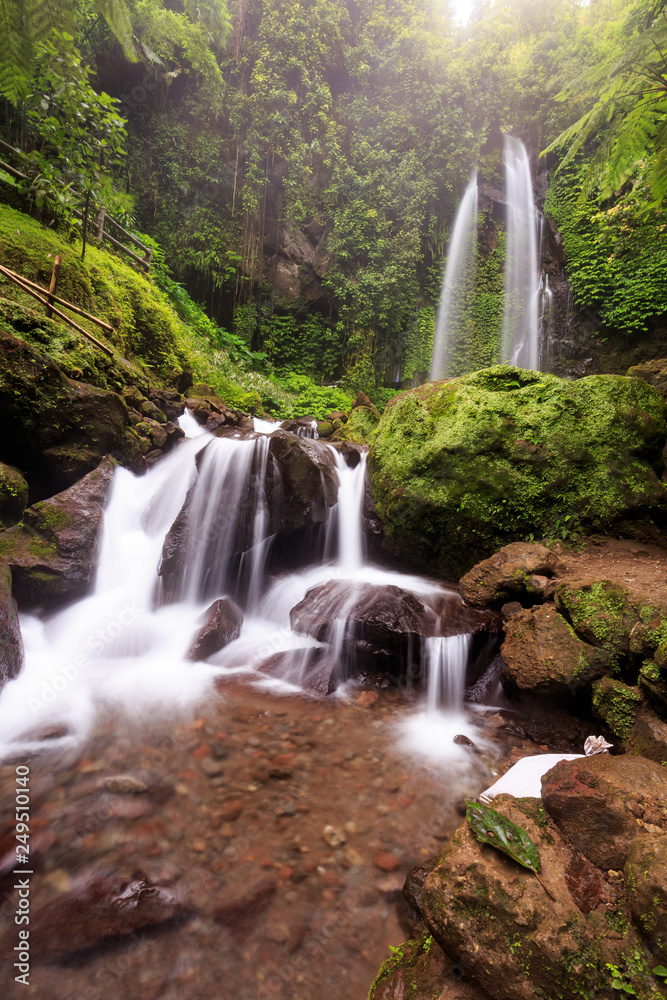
[[53, 553], [464, 741], [596, 802], [384, 624], [220, 624], [55, 429], [414, 883], [11, 642], [311, 668], [510, 609], [99, 911], [543, 654], [299, 487], [520, 569]]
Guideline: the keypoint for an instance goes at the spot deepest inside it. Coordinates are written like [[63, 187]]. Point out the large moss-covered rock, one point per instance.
[[53, 552], [646, 880], [616, 704], [499, 925], [54, 428], [461, 467], [543, 655]]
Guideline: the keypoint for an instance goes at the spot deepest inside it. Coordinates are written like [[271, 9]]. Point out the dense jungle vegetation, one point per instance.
[[297, 165]]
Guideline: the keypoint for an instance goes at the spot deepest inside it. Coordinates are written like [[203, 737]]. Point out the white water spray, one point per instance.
[[521, 328]]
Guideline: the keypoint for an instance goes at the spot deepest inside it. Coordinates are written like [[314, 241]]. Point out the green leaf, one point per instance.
[[661, 971], [491, 828]]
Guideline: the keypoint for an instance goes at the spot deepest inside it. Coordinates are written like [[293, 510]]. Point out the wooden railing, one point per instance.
[[96, 225]]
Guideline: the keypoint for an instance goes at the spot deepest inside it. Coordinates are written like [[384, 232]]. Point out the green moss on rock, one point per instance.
[[616, 704], [13, 495], [461, 467]]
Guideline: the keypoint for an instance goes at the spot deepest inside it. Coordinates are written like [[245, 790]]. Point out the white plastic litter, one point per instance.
[[524, 778]]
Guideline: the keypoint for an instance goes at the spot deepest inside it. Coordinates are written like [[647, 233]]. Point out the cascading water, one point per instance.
[[521, 328], [125, 646], [447, 660], [458, 287]]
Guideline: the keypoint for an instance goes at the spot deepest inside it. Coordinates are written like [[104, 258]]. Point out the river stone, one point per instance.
[[54, 428], [497, 922], [464, 466], [646, 881], [600, 802], [53, 552], [542, 654], [508, 573], [11, 641], [101, 909], [220, 624]]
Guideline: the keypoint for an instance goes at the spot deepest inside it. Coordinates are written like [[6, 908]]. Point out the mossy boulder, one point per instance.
[[649, 736], [52, 554], [499, 925], [616, 704], [13, 495], [54, 428], [361, 426], [461, 467], [543, 655], [653, 682]]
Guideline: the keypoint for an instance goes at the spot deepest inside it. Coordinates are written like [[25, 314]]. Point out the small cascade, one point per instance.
[[308, 430], [521, 328], [345, 534], [458, 286], [447, 660], [231, 482]]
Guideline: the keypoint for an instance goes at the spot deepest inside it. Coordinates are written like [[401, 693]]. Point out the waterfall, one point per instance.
[[450, 343], [447, 659], [521, 334], [209, 507]]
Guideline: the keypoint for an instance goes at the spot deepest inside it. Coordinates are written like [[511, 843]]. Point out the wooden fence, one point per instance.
[[96, 224]]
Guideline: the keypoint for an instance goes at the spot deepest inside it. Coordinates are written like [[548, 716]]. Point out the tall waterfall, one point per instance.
[[458, 287], [521, 328]]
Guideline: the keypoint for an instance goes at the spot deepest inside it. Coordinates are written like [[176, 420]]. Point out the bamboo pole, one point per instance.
[[62, 316], [53, 287], [59, 300]]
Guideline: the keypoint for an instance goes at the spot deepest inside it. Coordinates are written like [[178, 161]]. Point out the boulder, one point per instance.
[[616, 704], [363, 402], [654, 372], [461, 467], [13, 496], [360, 427], [54, 428], [499, 924], [53, 553], [11, 642], [516, 570], [600, 804], [220, 624], [602, 614], [653, 684], [383, 624], [297, 488], [648, 737], [646, 887], [542, 654]]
